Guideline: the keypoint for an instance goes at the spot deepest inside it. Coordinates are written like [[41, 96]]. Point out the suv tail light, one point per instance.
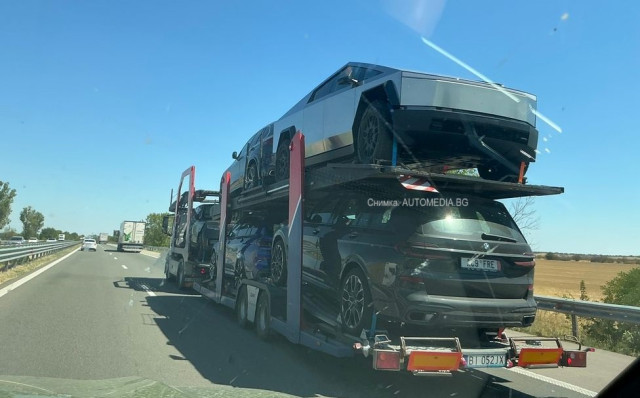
[[420, 251]]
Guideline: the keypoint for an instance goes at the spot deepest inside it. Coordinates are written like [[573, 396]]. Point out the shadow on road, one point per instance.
[[152, 284], [208, 336]]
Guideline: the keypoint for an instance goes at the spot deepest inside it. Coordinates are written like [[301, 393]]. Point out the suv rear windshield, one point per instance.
[[458, 218], [89, 241]]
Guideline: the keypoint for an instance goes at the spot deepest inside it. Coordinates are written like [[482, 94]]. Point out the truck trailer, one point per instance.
[[131, 236], [285, 309]]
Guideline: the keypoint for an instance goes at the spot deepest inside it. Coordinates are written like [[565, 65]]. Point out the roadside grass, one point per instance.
[[23, 269]]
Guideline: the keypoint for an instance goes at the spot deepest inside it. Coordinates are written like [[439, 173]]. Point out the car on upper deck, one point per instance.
[[363, 111]]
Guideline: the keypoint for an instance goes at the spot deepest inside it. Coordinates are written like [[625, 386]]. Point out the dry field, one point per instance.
[[558, 278]]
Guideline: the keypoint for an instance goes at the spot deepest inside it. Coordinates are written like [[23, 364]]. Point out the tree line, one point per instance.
[[31, 219]]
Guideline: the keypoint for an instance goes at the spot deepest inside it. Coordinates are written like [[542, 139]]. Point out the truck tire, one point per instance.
[[282, 161], [263, 317], [167, 274], [355, 302], [119, 248], [279, 263], [242, 308], [180, 278], [373, 137]]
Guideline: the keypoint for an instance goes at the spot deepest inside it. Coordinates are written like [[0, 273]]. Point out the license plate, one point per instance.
[[480, 264], [486, 360]]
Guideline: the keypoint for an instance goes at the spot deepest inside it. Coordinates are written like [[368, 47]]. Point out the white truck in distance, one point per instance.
[[103, 238], [61, 237], [131, 237]]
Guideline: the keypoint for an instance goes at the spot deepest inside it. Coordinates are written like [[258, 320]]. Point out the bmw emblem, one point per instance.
[[485, 246]]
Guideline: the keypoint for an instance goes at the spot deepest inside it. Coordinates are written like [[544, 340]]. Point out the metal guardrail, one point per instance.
[[588, 309], [15, 255]]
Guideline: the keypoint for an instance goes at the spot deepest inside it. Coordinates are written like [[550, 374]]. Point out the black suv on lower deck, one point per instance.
[[415, 258]]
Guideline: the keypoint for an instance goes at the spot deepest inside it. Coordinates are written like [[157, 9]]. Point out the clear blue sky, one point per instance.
[[104, 103]]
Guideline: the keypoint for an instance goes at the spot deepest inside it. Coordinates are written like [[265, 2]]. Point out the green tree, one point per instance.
[[153, 235], [49, 233], [624, 289], [464, 172], [32, 222], [7, 233], [6, 199]]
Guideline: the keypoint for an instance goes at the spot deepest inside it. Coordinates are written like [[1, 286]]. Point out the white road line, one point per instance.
[[115, 258], [146, 289], [124, 266], [549, 380], [27, 278]]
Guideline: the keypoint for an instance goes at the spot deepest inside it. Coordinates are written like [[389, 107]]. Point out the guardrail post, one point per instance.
[[574, 326]]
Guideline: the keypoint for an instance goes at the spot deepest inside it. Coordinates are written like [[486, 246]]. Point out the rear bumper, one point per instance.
[[434, 133], [420, 308]]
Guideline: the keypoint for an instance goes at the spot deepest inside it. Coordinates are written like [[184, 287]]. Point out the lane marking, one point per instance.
[[149, 292], [27, 278], [558, 383], [115, 258], [124, 266]]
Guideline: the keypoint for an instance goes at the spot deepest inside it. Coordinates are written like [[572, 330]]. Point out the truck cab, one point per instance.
[[193, 224]]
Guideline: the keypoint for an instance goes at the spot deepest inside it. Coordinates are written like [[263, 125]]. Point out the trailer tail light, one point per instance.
[[539, 357], [431, 361], [386, 360], [574, 359]]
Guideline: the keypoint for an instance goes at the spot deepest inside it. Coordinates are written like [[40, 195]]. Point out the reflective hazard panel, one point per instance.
[[417, 184]]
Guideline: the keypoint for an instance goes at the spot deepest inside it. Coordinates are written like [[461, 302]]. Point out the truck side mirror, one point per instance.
[[166, 224], [234, 155]]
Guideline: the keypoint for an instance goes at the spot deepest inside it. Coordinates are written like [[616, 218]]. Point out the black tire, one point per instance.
[[355, 302], [251, 176], [373, 137], [242, 308], [119, 248], [282, 161], [213, 270], [180, 278], [263, 317], [167, 274], [279, 263]]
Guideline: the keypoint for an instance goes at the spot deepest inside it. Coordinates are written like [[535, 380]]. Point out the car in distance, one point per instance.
[[89, 244], [32, 240], [436, 121], [17, 240], [460, 262]]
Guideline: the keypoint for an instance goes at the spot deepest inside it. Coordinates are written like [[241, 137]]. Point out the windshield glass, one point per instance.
[[521, 113]]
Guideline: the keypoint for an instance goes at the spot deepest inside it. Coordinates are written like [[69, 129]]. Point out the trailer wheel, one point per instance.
[[242, 308], [282, 161], [263, 317], [355, 302], [167, 274], [279, 263], [180, 280], [373, 140]]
